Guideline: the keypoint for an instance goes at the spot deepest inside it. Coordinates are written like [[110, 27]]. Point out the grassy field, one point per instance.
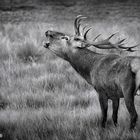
[[43, 98]]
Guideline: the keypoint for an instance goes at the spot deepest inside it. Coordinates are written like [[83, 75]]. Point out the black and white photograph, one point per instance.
[[69, 69]]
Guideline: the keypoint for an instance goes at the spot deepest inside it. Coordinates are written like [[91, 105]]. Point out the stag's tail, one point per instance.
[[135, 66]]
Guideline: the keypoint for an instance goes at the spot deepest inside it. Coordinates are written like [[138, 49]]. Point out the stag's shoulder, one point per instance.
[[105, 62], [118, 62], [110, 59]]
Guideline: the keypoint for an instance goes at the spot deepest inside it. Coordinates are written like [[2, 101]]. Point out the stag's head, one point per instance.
[[62, 44]]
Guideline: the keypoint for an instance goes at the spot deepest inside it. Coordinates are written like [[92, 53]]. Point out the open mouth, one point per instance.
[[46, 45]]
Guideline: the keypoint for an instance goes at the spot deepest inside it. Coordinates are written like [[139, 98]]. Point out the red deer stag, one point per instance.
[[113, 76]]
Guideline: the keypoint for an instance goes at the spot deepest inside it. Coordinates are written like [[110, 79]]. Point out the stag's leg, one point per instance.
[[115, 106], [104, 106], [129, 101]]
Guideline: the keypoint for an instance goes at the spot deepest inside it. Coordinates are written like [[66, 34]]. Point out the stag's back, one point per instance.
[[111, 74]]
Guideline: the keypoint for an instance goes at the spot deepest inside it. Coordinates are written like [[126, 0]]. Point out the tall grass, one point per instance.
[[42, 97]]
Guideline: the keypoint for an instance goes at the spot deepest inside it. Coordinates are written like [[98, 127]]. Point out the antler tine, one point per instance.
[[96, 37], [77, 24], [111, 36], [78, 28], [122, 47], [85, 34], [106, 41], [85, 27], [134, 46], [120, 42]]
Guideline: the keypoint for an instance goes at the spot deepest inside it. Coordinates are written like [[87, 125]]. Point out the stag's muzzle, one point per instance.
[[48, 34]]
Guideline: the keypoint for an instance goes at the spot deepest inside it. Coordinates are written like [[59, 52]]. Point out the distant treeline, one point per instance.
[[10, 4]]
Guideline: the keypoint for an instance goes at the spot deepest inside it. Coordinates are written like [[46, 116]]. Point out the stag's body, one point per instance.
[[105, 72], [113, 76]]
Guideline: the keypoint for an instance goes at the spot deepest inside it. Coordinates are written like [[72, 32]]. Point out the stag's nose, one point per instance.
[[49, 33]]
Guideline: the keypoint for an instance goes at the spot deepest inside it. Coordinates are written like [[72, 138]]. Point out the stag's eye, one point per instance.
[[77, 39], [65, 37]]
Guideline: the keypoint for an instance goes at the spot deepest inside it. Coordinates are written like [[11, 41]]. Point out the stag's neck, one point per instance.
[[83, 61]]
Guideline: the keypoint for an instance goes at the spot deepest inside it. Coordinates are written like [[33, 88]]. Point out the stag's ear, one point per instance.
[[65, 37]]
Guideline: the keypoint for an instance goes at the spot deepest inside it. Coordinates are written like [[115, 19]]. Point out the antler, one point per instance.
[[85, 34], [77, 24], [129, 49], [106, 44]]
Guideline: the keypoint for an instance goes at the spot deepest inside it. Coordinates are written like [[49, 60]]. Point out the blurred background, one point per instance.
[[111, 10]]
